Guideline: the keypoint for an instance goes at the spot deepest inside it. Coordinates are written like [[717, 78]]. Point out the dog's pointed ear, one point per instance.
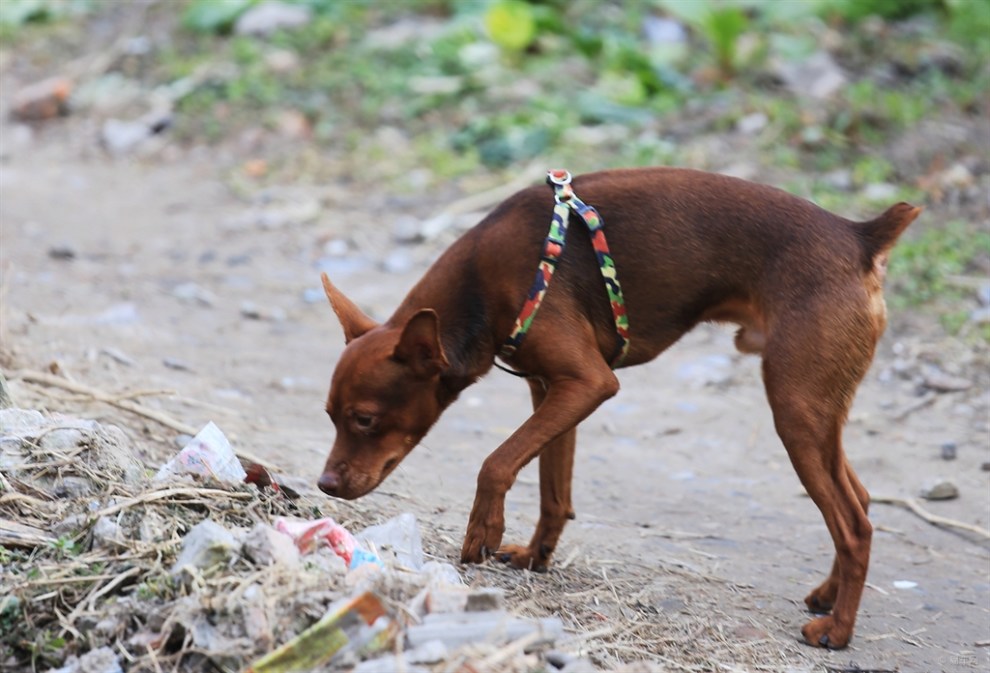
[[419, 346], [352, 319]]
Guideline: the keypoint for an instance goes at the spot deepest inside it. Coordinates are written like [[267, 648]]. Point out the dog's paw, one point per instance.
[[480, 543], [825, 632], [821, 600], [521, 558]]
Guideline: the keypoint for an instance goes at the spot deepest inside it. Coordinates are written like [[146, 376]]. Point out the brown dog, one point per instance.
[[804, 285]]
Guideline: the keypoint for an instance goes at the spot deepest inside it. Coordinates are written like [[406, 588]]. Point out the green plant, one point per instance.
[[857, 10], [511, 24], [922, 265], [66, 547], [723, 27], [214, 16]]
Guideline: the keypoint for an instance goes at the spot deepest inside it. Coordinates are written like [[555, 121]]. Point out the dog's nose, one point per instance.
[[329, 483]]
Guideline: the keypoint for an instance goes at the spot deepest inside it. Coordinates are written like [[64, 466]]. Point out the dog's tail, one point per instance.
[[879, 235]]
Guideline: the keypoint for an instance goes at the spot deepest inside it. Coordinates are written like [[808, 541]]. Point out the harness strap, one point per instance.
[[553, 248]]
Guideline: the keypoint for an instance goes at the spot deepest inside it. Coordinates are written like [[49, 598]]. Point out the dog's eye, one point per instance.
[[364, 421]]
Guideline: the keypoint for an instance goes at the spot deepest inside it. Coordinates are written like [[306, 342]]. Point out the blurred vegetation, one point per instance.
[[488, 85]]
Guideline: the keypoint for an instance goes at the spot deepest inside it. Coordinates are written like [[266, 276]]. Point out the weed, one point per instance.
[[921, 266], [67, 547]]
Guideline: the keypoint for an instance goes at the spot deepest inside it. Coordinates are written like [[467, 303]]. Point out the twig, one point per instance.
[[68, 622], [166, 493], [125, 404], [914, 406], [934, 519]]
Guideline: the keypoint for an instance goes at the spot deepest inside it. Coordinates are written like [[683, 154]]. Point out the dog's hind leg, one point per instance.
[[822, 598], [810, 383]]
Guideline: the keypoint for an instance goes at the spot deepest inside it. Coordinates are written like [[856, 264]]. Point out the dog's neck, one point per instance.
[[465, 318]]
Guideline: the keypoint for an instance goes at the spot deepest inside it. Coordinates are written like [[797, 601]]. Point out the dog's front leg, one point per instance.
[[568, 401], [556, 469]]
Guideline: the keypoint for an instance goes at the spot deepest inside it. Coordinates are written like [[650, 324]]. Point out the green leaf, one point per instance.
[[19, 12], [214, 16], [511, 24]]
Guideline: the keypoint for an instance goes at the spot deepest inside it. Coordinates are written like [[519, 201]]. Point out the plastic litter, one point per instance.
[[398, 539], [308, 534], [208, 454], [358, 626]]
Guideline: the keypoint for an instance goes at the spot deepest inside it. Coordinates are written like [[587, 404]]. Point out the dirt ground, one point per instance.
[[151, 274]]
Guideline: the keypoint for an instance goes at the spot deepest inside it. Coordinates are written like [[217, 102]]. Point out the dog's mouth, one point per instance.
[[346, 484]]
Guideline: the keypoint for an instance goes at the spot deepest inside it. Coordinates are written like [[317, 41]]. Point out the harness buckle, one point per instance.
[[558, 177]]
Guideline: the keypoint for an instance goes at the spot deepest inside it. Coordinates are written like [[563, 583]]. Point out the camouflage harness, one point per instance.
[[553, 248]]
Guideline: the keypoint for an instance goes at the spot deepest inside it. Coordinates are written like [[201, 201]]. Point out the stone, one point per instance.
[[266, 546], [943, 382], [42, 100], [264, 19], [100, 660], [939, 489], [205, 545], [752, 123], [816, 77]]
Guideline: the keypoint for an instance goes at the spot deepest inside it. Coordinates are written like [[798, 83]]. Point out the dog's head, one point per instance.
[[384, 395]]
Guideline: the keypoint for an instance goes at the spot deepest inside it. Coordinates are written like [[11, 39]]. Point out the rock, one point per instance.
[[205, 545], [266, 18], [662, 30], [107, 533], [19, 422], [63, 251], [100, 660], [266, 546], [940, 381], [817, 77], [840, 178], [252, 311], [459, 598], [939, 489], [43, 100], [176, 364], [752, 123], [457, 629], [949, 451], [983, 294], [980, 316], [880, 191], [107, 94], [282, 61], [406, 229], [558, 659], [6, 401], [191, 292], [579, 666], [120, 137], [117, 355], [73, 487], [431, 652]]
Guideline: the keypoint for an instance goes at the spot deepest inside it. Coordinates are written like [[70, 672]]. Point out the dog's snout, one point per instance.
[[329, 483]]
